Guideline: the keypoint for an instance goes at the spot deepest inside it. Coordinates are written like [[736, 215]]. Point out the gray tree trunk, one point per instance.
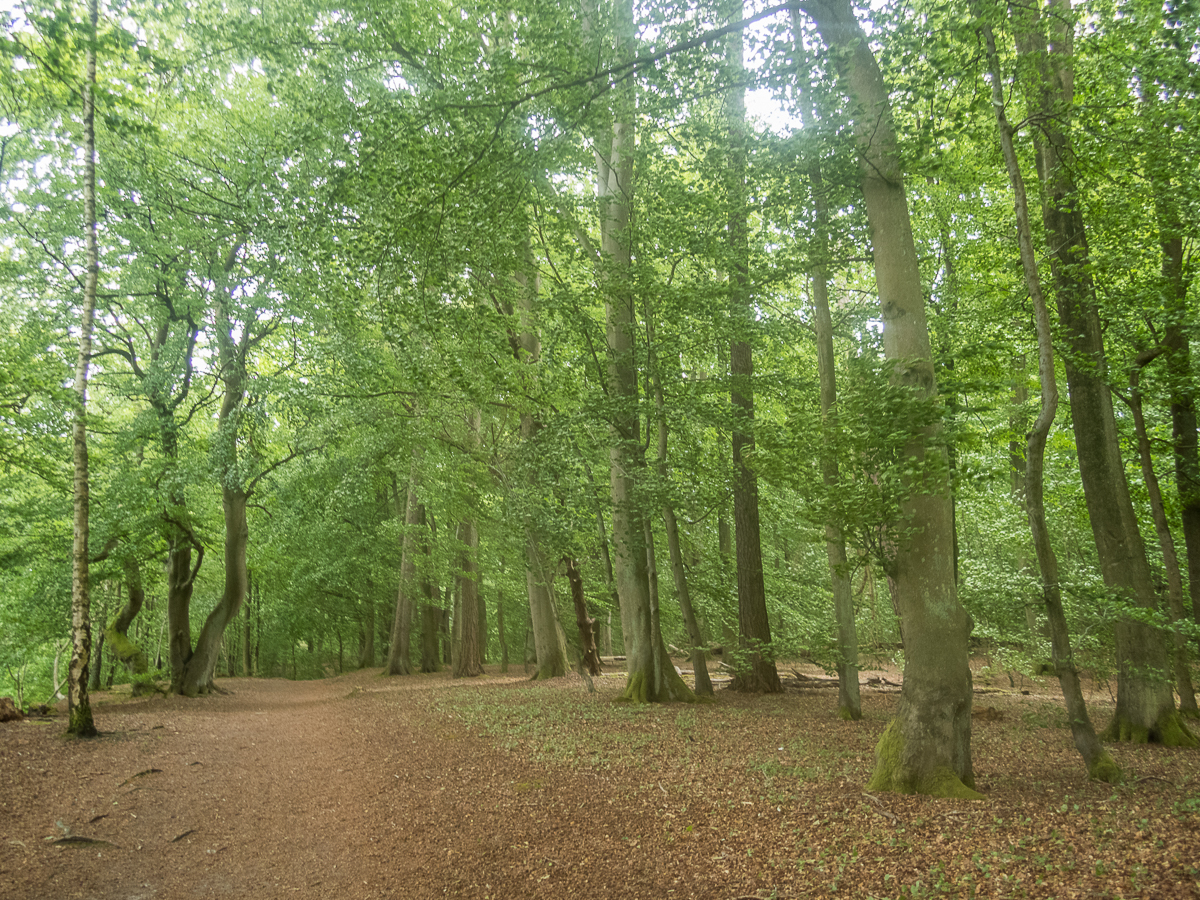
[[399, 661], [849, 699], [927, 747], [651, 676], [1145, 704], [1100, 764]]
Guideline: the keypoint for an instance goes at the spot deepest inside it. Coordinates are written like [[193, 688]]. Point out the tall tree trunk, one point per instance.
[[547, 632], [651, 676], [366, 647], [247, 668], [755, 671], [1145, 704], [1178, 325], [500, 631], [927, 747], [231, 351], [1100, 764], [697, 651], [1166, 541], [80, 722], [399, 660], [849, 699], [467, 621]]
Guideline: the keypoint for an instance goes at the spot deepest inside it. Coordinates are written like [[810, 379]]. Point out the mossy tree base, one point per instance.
[[81, 724], [849, 714], [891, 774], [1105, 769], [641, 688], [1170, 730]]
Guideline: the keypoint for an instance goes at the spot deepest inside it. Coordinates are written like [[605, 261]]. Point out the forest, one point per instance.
[[414, 335]]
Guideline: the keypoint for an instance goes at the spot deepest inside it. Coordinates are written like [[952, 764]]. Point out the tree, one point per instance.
[[758, 673], [1100, 764], [1145, 706], [927, 747], [81, 722], [651, 677]]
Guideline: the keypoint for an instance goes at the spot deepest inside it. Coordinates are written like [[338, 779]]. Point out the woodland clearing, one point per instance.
[[361, 786]]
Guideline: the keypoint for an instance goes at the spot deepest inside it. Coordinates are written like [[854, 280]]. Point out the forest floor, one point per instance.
[[418, 787]]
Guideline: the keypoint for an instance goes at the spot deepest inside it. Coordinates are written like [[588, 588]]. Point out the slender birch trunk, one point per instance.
[[80, 722]]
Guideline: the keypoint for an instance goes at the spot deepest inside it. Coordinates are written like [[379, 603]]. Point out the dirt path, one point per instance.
[[365, 787], [284, 789]]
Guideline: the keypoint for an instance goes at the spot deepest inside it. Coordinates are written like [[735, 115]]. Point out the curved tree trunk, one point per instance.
[[198, 673], [117, 634], [197, 676], [927, 747], [1145, 704], [1100, 764]]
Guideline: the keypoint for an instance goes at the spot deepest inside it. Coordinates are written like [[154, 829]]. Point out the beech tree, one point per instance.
[[927, 748]]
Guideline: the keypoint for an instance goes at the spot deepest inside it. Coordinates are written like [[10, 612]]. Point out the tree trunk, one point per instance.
[[247, 669], [584, 622], [651, 677], [399, 660], [80, 722], [1100, 764], [366, 648], [198, 673], [755, 671], [467, 663], [1177, 326], [1145, 704], [431, 626], [500, 631], [1166, 542], [849, 700], [697, 653], [200, 666], [551, 649], [117, 634], [927, 747]]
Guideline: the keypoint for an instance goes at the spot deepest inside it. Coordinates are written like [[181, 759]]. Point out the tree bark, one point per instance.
[[1166, 541], [547, 632], [201, 664], [927, 747], [117, 634], [651, 677], [697, 651], [583, 621], [755, 671], [1100, 764], [467, 663], [849, 699], [1145, 704], [431, 627], [399, 661], [80, 721]]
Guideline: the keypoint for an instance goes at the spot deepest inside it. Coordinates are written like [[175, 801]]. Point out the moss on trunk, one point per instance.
[[893, 774]]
